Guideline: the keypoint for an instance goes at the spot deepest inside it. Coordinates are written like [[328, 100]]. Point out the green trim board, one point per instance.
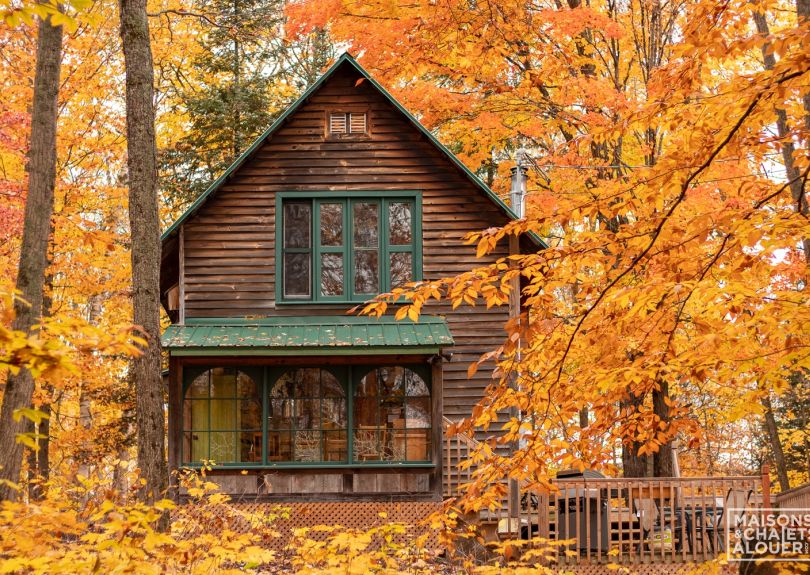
[[347, 59], [332, 335], [383, 200]]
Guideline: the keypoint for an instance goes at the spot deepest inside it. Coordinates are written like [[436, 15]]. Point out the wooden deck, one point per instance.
[[630, 522]]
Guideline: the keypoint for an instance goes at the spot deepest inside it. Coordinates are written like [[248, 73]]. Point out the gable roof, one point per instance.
[[346, 58]]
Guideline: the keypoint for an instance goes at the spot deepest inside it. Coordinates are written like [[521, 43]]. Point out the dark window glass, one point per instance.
[[399, 224], [296, 274], [391, 416], [401, 268], [331, 274], [297, 224], [307, 413], [366, 225], [331, 224], [366, 272]]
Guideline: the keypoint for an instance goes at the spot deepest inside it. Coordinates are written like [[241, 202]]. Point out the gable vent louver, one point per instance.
[[337, 124], [357, 123]]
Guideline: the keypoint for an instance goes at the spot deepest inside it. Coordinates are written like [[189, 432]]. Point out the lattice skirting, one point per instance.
[[190, 520], [654, 569]]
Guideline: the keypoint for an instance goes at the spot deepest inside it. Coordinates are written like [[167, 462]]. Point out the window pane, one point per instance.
[[224, 415], [297, 224], [331, 385], [418, 413], [245, 386], [401, 268], [250, 443], [331, 224], [333, 412], [331, 274], [365, 225], [196, 414], [195, 446], [199, 387], [366, 276], [368, 445], [223, 383], [399, 224], [250, 414], [366, 411], [280, 415], [223, 447], [418, 445], [335, 445], [309, 413], [296, 274], [307, 382], [307, 446], [279, 446]]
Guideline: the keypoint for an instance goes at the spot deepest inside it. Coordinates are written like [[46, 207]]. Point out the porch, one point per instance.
[[624, 521]]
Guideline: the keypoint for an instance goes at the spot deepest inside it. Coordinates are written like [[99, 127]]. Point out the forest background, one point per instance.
[[668, 151]]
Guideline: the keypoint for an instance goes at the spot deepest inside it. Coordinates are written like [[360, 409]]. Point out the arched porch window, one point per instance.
[[222, 418], [391, 416], [307, 418]]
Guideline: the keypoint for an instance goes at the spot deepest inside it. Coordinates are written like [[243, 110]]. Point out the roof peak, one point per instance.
[[344, 58]]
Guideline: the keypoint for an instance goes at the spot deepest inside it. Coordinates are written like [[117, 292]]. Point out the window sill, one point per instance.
[[317, 465], [330, 302]]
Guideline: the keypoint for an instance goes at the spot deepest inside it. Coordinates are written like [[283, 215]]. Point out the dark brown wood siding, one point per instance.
[[230, 243]]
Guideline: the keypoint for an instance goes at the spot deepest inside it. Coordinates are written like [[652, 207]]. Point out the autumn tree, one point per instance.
[[243, 76], [145, 245], [19, 388], [675, 262]]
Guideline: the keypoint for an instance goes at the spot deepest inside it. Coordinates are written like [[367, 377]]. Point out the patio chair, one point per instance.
[[648, 518], [734, 507]]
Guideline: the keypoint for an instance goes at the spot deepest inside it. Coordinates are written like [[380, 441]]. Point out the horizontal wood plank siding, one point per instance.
[[230, 243]]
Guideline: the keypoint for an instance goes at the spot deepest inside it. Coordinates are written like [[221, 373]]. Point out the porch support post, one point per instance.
[[513, 494], [175, 422], [437, 409]]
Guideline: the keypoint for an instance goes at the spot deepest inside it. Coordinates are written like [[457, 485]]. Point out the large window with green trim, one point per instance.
[[351, 415], [346, 248], [222, 417]]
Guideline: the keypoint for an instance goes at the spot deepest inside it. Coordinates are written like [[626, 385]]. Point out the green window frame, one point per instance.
[[219, 403], [305, 422], [397, 440], [331, 275]]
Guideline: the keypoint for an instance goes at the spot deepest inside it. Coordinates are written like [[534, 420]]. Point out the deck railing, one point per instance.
[[623, 520], [796, 499], [627, 521], [457, 448]]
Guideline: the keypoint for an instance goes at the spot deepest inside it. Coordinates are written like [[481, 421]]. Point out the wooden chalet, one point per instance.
[[344, 197]]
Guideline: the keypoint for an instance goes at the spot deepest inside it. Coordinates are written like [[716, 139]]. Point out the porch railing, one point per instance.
[[796, 499], [457, 448], [627, 521]]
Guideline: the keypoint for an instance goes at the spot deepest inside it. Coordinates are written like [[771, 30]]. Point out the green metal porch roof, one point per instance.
[[319, 335]]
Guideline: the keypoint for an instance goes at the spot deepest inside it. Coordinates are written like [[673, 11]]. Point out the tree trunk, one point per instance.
[[788, 149], [776, 444], [633, 464], [36, 231], [662, 459], [145, 230]]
